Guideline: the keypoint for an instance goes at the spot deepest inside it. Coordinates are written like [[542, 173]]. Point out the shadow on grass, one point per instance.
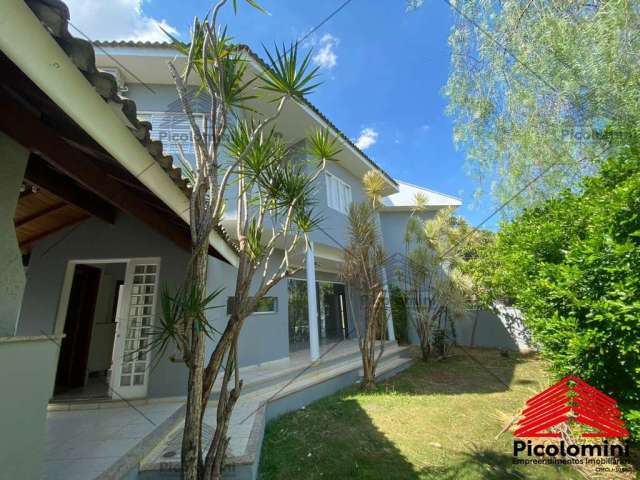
[[486, 464], [336, 439], [466, 371], [393, 439], [331, 439]]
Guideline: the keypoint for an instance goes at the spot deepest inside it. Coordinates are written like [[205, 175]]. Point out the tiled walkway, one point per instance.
[[248, 419], [81, 444], [86, 440]]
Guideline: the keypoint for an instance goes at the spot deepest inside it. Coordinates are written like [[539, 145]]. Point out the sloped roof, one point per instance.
[[405, 198], [265, 65], [54, 16]]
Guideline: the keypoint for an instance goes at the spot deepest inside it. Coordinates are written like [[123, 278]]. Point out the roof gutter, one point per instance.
[[28, 44]]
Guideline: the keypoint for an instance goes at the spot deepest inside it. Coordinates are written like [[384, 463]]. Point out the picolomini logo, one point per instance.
[[588, 411], [571, 399]]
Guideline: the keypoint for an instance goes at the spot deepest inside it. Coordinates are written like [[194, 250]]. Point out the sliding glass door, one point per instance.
[[298, 315], [332, 313]]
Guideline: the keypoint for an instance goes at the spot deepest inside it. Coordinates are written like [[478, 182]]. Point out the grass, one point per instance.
[[434, 421]]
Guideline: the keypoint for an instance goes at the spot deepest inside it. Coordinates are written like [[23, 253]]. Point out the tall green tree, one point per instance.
[[436, 287], [572, 267], [536, 88], [362, 269], [241, 162]]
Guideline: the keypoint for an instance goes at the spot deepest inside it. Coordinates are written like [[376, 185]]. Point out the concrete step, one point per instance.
[[256, 378], [269, 399], [392, 366]]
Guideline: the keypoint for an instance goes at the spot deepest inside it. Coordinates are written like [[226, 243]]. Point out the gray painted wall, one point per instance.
[[394, 226], [264, 336], [334, 222], [94, 239], [163, 98], [492, 331], [26, 376]]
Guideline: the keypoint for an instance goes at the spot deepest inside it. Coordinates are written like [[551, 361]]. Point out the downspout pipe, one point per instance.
[[30, 46]]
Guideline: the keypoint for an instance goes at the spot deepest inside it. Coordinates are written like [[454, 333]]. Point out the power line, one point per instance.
[[475, 229], [111, 57], [524, 64], [325, 20]]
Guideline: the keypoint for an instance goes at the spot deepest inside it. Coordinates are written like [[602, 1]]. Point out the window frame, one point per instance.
[[200, 119], [266, 312], [343, 198]]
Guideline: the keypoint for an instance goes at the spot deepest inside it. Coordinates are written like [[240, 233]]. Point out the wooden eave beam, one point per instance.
[[24, 244], [40, 173], [27, 130], [40, 213]]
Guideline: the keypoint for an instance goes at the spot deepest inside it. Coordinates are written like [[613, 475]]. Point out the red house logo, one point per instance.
[[571, 399]]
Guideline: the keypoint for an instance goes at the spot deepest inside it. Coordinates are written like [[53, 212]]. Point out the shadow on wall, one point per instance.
[[346, 444], [504, 329]]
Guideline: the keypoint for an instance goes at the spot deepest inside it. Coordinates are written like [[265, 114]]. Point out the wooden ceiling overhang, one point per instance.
[[69, 177]]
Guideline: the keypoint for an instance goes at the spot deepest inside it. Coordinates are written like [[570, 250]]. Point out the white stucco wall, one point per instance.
[[13, 162]]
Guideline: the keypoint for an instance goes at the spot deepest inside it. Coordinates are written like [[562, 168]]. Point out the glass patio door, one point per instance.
[[332, 316], [135, 315]]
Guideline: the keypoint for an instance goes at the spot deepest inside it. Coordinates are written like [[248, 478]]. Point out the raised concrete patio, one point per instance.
[[113, 440]]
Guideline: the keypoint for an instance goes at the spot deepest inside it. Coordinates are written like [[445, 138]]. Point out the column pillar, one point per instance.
[[385, 285], [13, 162], [312, 304], [387, 307]]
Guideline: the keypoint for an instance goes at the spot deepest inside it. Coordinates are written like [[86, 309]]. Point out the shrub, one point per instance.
[[399, 314], [572, 266]]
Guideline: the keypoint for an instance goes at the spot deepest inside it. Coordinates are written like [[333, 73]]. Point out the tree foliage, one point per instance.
[[535, 88], [241, 162], [364, 260], [436, 287], [572, 266]]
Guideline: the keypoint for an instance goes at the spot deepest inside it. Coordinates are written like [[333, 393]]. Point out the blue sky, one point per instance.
[[383, 72]]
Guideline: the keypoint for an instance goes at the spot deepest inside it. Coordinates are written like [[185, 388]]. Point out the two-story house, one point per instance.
[[95, 224], [287, 319]]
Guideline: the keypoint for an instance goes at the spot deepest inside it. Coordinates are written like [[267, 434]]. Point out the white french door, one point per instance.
[[135, 316]]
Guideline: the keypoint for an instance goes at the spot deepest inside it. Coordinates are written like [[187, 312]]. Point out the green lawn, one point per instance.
[[434, 421]]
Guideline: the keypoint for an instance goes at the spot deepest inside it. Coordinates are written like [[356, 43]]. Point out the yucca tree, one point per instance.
[[437, 290], [240, 161], [364, 261]]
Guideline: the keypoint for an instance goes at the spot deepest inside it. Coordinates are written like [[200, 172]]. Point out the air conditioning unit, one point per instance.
[[115, 72]]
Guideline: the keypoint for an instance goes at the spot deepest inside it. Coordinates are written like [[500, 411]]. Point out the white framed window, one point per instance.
[[338, 193], [265, 305], [172, 128]]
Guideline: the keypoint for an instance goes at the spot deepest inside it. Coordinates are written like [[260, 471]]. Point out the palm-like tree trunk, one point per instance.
[[191, 440]]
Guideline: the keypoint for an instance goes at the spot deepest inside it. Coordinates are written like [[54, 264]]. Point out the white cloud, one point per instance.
[[326, 56], [368, 136], [116, 20], [425, 128]]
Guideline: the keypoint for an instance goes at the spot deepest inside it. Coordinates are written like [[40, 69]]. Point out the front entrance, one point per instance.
[[107, 321], [72, 373], [332, 313]]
